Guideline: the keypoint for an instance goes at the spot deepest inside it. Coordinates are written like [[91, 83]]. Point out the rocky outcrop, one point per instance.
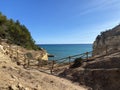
[[101, 72], [107, 42], [97, 79], [106, 62], [19, 54]]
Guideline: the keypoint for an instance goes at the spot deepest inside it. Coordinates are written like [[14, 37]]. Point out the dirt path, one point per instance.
[[13, 77]]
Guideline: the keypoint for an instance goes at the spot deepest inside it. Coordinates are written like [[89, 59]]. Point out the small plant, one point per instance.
[[77, 63]]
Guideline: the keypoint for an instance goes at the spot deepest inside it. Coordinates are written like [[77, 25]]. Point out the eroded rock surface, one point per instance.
[[14, 77], [108, 41]]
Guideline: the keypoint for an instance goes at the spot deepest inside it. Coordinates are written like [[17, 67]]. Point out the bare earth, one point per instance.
[[13, 77]]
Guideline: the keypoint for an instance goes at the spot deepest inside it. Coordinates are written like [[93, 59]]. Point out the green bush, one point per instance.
[[16, 33], [77, 63]]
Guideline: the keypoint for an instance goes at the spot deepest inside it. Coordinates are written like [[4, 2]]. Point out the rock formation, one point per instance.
[[19, 54], [108, 41], [103, 71]]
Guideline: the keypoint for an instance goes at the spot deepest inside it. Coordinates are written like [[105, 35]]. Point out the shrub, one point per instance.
[[16, 33], [77, 63]]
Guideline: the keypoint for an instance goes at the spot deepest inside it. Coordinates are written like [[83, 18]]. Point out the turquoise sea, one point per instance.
[[64, 50]]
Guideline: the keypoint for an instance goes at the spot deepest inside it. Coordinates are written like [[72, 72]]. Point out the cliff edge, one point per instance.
[[107, 42], [102, 71]]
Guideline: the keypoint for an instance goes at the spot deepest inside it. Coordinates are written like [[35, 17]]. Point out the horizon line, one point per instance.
[[63, 43]]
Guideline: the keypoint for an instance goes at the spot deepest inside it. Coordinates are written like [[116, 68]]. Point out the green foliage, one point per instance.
[[16, 33], [109, 33], [2, 19], [77, 63]]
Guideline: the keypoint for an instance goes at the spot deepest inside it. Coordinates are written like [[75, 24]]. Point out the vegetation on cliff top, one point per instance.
[[15, 33], [109, 33]]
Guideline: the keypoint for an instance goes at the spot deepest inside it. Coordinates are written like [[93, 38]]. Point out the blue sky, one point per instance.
[[63, 21]]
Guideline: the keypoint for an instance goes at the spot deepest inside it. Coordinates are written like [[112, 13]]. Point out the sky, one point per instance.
[[63, 21]]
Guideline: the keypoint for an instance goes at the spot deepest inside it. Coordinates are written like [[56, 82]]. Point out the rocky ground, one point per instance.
[[13, 77], [102, 73]]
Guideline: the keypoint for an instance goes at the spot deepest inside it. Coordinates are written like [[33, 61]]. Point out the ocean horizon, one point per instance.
[[65, 50]]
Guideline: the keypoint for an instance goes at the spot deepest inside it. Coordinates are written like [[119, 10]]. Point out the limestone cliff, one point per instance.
[[19, 54], [102, 71], [108, 41]]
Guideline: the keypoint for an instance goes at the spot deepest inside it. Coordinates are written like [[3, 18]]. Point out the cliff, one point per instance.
[[16, 41], [102, 71], [19, 54], [107, 42]]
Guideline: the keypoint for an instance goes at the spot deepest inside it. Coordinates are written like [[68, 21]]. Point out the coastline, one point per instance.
[[65, 50]]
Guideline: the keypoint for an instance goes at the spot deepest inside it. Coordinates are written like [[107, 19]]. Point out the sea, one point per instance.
[[64, 50]]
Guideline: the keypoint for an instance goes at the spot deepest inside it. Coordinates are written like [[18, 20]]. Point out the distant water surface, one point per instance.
[[64, 50]]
